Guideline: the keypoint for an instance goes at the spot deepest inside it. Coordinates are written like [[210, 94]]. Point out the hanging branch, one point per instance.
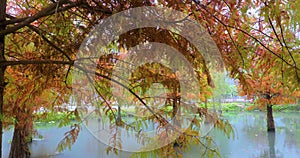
[[284, 45], [50, 10], [246, 33]]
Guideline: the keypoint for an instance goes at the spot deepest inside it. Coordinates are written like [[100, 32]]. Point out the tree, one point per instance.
[[26, 82], [270, 70], [267, 92], [26, 93], [144, 77], [222, 89], [258, 46]]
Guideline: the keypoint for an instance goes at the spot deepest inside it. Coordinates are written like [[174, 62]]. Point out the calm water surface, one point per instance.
[[251, 140]]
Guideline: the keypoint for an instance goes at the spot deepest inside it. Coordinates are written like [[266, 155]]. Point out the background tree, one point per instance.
[[223, 90], [257, 38]]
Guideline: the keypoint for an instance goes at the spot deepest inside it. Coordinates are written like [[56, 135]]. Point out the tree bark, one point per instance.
[[119, 117], [19, 146], [21, 138], [176, 109], [270, 119], [2, 68], [205, 103]]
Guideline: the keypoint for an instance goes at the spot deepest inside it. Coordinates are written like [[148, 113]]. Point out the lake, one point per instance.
[[251, 139]]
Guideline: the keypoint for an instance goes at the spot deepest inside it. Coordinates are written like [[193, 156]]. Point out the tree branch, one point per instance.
[[295, 64], [34, 62], [246, 33], [158, 116], [51, 9], [28, 62], [12, 21]]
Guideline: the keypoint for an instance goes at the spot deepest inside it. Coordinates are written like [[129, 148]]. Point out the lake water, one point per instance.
[[251, 139]]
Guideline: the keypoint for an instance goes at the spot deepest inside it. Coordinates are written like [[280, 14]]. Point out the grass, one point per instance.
[[235, 106], [286, 108], [232, 107], [51, 119]]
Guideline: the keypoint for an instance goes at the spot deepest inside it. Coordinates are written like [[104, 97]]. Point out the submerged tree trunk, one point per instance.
[[119, 117], [271, 141], [270, 119], [19, 146], [21, 138]]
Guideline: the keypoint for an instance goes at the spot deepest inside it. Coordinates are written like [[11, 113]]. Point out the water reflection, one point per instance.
[[252, 140]]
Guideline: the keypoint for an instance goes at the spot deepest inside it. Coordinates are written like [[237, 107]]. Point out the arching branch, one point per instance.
[[245, 33], [53, 8]]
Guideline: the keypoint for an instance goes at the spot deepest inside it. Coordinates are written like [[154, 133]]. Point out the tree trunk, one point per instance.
[[19, 146], [21, 138], [214, 105], [2, 69], [270, 119], [119, 117], [205, 103], [271, 140], [176, 110]]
